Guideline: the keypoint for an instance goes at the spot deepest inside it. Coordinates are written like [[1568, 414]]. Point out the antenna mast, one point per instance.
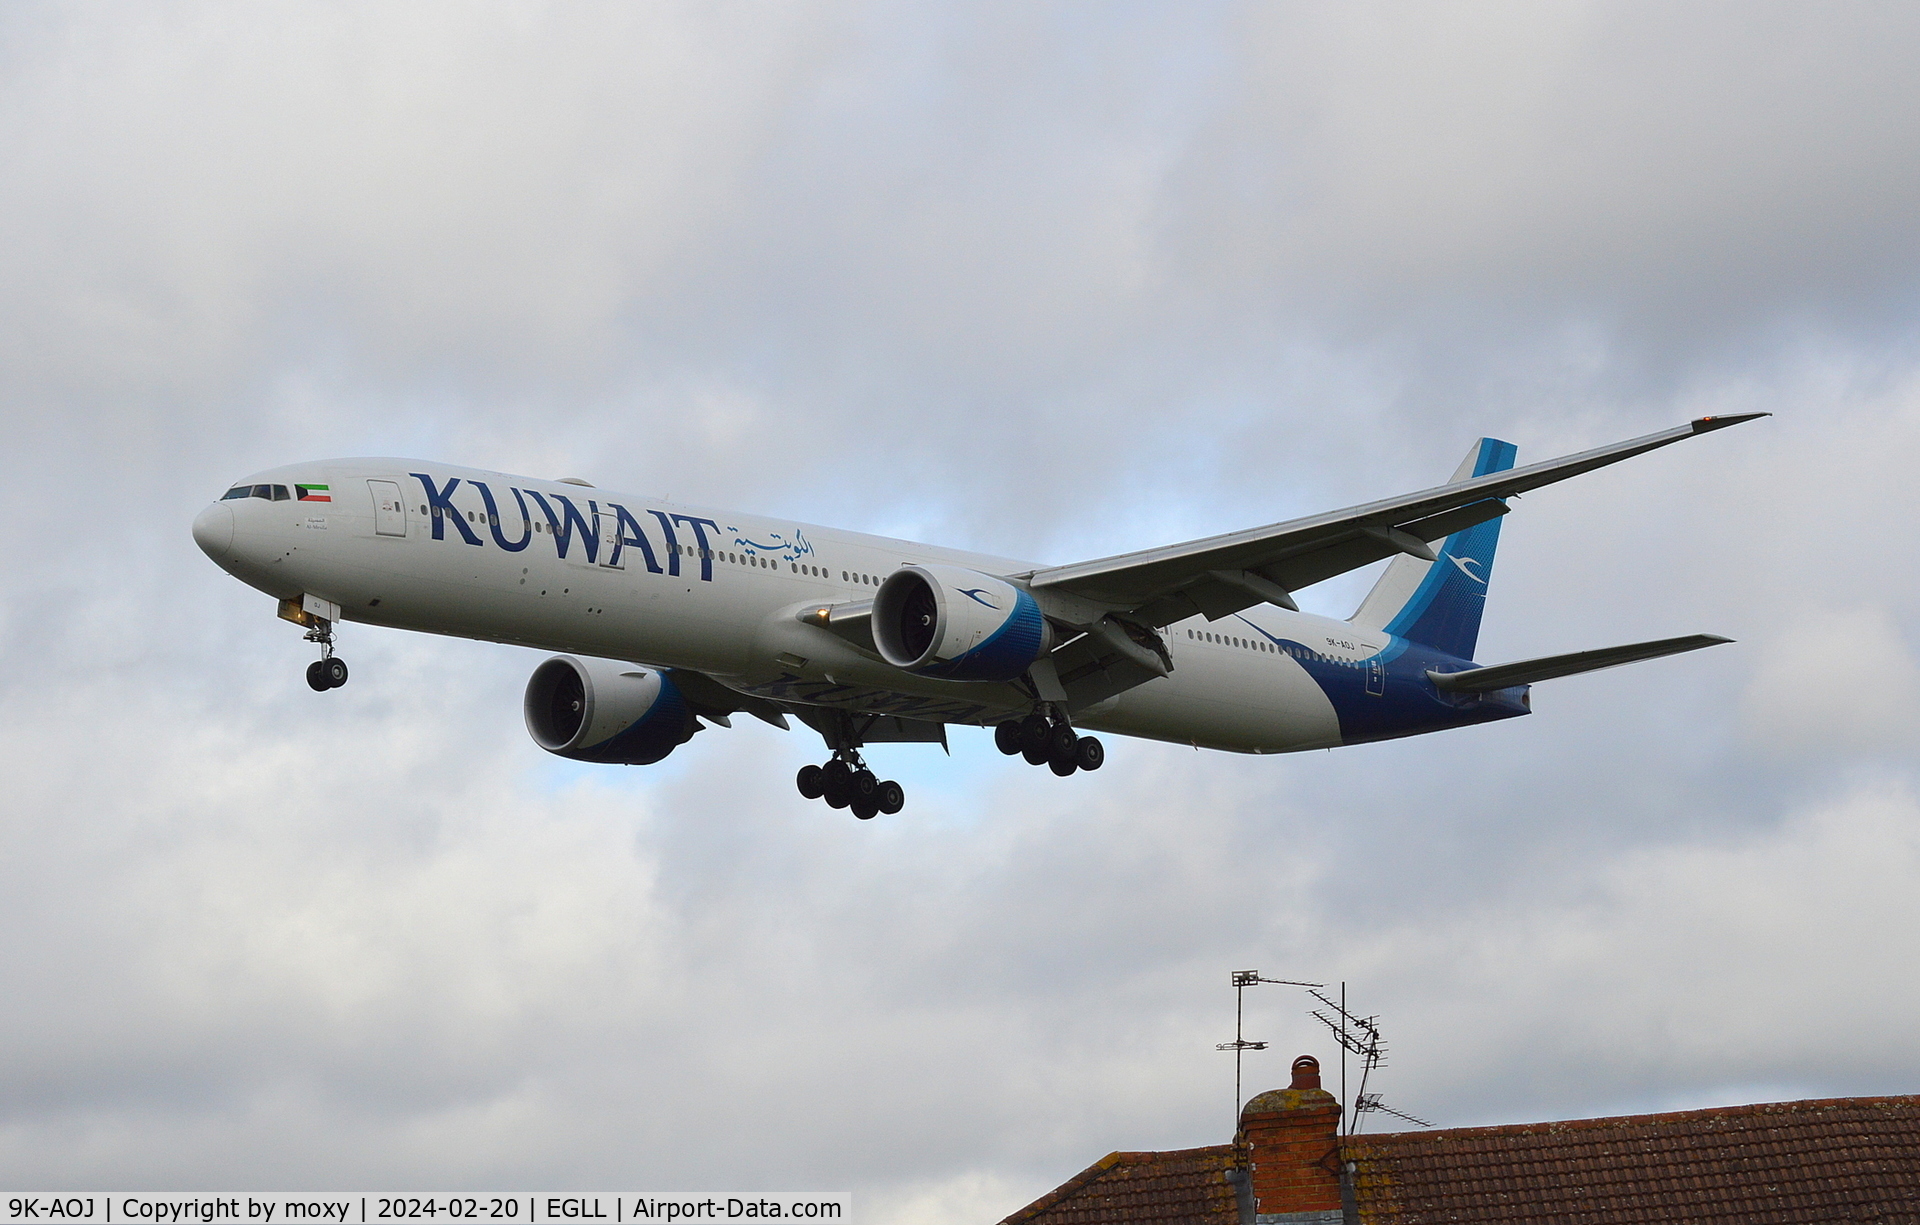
[[1242, 979]]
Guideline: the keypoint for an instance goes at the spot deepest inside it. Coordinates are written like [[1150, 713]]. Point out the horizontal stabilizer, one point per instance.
[[1529, 671]]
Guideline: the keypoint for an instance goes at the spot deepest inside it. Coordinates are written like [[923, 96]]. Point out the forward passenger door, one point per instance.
[[389, 512]]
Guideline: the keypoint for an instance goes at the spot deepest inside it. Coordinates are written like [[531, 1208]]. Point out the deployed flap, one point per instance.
[[1168, 584], [1528, 671], [710, 699], [1111, 658]]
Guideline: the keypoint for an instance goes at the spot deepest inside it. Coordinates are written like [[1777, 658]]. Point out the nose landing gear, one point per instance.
[[1045, 738], [317, 616], [329, 671], [845, 782]]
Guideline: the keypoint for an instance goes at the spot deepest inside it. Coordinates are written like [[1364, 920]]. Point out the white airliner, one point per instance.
[[669, 615]]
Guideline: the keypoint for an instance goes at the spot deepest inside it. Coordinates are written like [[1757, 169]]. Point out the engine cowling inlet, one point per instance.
[[957, 624], [604, 711]]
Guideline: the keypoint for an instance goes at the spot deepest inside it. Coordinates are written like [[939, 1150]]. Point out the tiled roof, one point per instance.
[[1845, 1159], [1185, 1187]]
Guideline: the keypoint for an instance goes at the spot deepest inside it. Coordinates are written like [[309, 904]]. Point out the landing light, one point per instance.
[[291, 610]]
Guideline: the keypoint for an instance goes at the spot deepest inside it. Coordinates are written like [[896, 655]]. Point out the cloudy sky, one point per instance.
[[1049, 281]]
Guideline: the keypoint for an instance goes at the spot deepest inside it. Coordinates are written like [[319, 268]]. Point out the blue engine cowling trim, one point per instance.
[[667, 725], [1007, 653]]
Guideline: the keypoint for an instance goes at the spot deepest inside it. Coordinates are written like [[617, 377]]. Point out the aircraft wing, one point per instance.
[[1527, 671], [1221, 575], [714, 702]]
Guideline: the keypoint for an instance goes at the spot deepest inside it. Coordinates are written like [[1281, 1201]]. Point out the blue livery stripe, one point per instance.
[[1387, 695]]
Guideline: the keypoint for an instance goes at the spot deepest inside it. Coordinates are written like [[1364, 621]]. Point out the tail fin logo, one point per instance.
[[1462, 563], [1427, 602]]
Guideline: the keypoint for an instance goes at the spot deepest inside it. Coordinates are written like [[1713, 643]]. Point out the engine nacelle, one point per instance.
[[600, 710], [958, 624]]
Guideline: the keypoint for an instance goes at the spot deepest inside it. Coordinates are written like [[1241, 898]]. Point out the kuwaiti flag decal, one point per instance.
[[313, 493]]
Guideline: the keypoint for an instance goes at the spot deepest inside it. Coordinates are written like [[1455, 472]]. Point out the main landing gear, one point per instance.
[[329, 671], [1045, 738], [845, 782]]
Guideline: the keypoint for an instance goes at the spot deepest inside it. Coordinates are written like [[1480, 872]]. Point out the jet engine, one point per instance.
[[957, 624], [600, 710]]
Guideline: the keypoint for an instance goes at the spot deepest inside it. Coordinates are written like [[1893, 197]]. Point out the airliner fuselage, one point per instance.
[[628, 577], [667, 615]]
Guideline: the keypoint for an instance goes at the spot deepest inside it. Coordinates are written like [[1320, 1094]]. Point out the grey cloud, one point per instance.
[[1674, 163]]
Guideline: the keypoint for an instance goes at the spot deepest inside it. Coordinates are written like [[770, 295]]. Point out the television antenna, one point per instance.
[[1359, 1036], [1371, 1101], [1242, 979]]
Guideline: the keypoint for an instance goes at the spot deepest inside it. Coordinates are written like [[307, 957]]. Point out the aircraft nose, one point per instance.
[[213, 531]]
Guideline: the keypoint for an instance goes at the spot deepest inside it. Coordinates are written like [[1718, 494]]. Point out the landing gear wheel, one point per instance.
[[837, 797], [1089, 753], [317, 677], [810, 782], [864, 784], [890, 796], [1062, 768], [865, 808], [334, 669], [1006, 737], [1034, 731], [836, 775], [1061, 743]]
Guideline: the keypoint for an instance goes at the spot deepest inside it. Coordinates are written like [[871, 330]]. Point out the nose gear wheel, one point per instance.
[[328, 673]]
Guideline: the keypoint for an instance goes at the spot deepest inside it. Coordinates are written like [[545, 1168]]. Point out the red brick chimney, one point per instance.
[[1291, 1139]]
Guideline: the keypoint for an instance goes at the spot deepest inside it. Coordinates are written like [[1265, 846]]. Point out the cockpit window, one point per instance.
[[238, 491], [263, 491], [280, 493]]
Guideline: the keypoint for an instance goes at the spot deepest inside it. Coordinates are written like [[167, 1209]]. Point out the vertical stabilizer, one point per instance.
[[1439, 603]]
